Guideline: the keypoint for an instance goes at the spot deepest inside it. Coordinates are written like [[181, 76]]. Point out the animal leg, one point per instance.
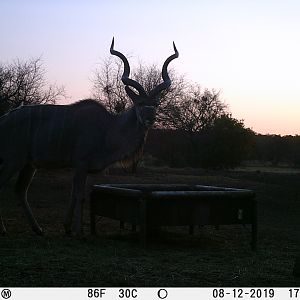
[[76, 204], [7, 170], [22, 185], [2, 227]]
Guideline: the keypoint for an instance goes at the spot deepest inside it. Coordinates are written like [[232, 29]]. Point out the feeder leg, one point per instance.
[[93, 223], [296, 271], [254, 228], [143, 222]]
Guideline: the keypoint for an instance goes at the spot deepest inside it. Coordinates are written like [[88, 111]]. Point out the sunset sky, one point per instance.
[[249, 50]]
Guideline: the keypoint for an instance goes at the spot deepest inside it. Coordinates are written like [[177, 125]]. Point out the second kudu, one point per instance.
[[83, 136]]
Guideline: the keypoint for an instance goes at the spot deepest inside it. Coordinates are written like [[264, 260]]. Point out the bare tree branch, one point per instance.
[[25, 83], [183, 106]]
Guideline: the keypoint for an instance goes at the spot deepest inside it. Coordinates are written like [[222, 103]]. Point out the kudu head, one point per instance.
[[145, 103]]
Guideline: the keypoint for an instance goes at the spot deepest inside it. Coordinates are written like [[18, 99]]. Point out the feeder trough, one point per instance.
[[155, 205]]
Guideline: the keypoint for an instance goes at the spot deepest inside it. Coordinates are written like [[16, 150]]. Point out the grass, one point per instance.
[[174, 258]]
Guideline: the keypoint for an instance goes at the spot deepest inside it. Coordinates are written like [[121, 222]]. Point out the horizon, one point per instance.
[[248, 51]]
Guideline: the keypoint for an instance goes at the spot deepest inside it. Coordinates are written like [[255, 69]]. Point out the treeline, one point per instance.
[[194, 127], [221, 147], [226, 144], [276, 150]]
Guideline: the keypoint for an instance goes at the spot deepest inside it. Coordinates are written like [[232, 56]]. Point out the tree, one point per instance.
[[183, 106], [212, 138], [193, 109], [109, 89], [226, 143], [25, 83], [149, 77], [193, 112]]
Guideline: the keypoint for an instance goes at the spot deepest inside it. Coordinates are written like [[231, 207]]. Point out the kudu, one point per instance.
[[83, 136]]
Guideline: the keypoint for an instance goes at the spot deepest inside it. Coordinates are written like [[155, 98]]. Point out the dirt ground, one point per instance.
[[173, 258]]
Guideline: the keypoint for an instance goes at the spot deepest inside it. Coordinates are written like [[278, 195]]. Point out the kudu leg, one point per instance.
[[76, 204], [2, 227], [22, 185], [7, 170]]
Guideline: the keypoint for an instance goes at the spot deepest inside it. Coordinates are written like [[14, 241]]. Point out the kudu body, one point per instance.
[[83, 136]]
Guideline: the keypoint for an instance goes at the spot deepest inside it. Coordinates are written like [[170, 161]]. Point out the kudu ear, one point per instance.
[[133, 95]]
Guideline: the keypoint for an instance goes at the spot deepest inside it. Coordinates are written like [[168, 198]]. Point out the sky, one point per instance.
[[247, 50]]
